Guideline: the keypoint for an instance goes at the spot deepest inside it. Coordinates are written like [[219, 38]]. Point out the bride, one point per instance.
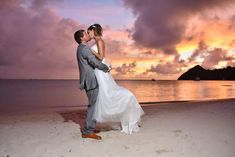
[[114, 103]]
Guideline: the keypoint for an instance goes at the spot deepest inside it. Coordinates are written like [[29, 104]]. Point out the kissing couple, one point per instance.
[[107, 101]]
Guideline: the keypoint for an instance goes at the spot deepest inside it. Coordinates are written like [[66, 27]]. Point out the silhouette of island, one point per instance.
[[199, 73]]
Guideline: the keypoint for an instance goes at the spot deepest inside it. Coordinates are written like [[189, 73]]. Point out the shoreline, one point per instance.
[[185, 101], [143, 104]]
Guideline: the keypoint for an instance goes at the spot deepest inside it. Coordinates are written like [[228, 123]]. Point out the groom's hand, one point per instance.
[[110, 68]]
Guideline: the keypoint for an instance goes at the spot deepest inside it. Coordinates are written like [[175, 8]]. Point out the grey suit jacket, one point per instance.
[[87, 63]]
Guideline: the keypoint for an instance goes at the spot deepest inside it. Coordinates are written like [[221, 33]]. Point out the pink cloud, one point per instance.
[[211, 57], [126, 68], [164, 68], [162, 24], [215, 56], [36, 40]]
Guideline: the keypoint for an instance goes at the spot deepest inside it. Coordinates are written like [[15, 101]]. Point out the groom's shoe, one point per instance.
[[97, 131], [91, 135]]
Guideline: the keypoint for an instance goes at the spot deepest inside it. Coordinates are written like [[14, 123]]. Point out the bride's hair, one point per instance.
[[98, 30]]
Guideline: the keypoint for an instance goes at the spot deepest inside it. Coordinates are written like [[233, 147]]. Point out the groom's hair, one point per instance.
[[78, 35]]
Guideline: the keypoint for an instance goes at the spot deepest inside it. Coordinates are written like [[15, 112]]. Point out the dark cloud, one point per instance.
[[165, 68], [215, 56], [38, 4], [232, 23], [211, 56], [178, 60], [162, 23], [202, 48], [126, 68], [34, 36]]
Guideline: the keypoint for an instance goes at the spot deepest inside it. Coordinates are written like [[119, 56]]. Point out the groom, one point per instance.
[[87, 62]]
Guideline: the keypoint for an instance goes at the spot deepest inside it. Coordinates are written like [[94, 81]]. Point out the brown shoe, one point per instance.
[[91, 135], [97, 131]]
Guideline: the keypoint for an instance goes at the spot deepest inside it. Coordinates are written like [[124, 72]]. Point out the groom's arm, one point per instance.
[[93, 61]]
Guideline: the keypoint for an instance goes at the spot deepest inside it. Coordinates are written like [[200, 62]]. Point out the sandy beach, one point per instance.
[[182, 129]]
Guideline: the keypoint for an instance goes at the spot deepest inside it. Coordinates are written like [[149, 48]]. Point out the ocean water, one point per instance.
[[24, 95]]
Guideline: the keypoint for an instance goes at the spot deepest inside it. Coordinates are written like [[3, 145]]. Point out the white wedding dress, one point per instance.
[[115, 103]]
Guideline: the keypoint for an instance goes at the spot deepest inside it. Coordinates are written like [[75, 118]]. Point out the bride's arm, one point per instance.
[[101, 49], [96, 54]]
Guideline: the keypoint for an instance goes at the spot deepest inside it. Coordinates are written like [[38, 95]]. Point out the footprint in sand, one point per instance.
[[180, 133], [177, 132], [160, 151]]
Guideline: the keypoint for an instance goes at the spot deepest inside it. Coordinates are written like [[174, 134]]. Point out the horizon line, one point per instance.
[[78, 79]]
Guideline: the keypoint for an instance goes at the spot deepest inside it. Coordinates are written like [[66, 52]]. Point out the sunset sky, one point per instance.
[[145, 39]]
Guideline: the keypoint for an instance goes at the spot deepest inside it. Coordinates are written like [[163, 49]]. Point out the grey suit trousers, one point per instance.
[[90, 123]]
